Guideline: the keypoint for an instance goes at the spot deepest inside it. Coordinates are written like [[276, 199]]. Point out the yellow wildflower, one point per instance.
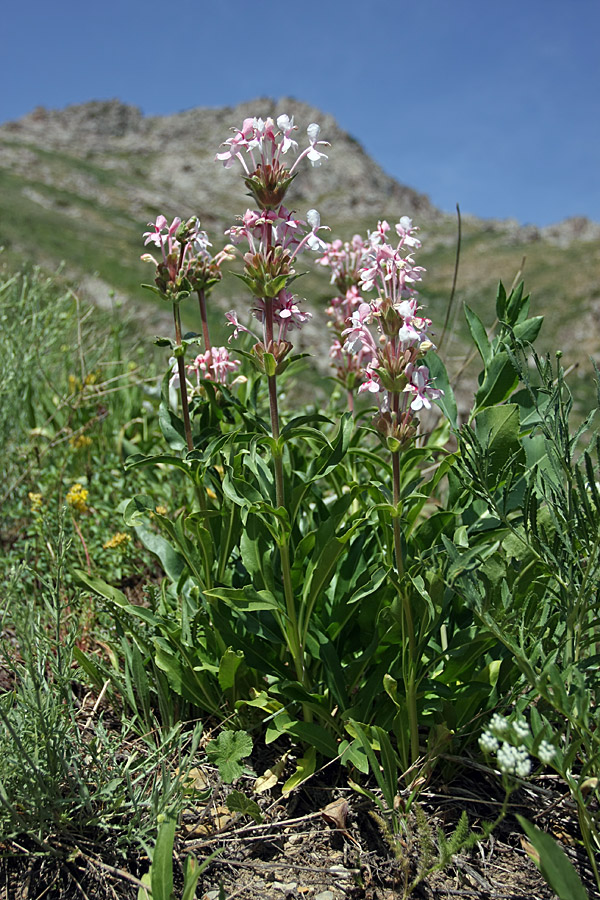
[[117, 540], [36, 501], [80, 441], [76, 497], [162, 510], [74, 384], [91, 378]]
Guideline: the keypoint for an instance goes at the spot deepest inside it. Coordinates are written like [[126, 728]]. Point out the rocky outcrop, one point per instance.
[[178, 153]]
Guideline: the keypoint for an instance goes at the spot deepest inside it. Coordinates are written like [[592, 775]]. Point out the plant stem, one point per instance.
[[202, 302], [291, 630], [182, 382], [277, 456], [396, 519], [410, 680]]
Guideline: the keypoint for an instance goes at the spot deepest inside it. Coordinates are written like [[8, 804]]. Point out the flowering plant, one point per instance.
[[309, 568], [272, 542]]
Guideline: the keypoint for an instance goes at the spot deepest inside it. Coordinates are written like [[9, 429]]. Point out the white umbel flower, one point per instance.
[[546, 752], [488, 743], [513, 760]]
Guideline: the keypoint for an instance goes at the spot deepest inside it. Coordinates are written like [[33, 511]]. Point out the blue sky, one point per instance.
[[494, 105]]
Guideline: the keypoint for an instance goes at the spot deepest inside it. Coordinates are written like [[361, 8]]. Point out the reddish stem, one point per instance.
[[182, 383], [202, 302]]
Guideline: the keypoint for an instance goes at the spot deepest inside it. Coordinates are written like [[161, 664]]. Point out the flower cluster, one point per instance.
[[120, 539], [213, 365], [385, 338], [264, 143], [274, 235], [344, 259], [36, 501], [77, 498], [507, 738], [80, 441], [186, 263]]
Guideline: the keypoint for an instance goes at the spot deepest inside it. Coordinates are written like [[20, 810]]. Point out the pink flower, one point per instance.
[[287, 127], [371, 382], [405, 231], [266, 142], [420, 387], [310, 239], [156, 237], [214, 365], [290, 316], [358, 335], [232, 320], [314, 155], [163, 235]]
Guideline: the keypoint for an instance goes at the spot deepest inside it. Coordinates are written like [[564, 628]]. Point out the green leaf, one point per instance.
[[479, 335], [155, 290], [316, 736], [500, 302], [439, 377], [312, 418], [328, 550], [230, 663], [516, 305], [172, 427], [240, 492], [499, 381], [226, 752], [185, 677], [269, 364], [237, 802], [161, 872], [498, 430], [351, 752], [102, 588], [389, 764], [135, 510], [556, 868], [89, 667], [305, 767], [245, 598], [192, 872], [380, 776], [172, 561], [145, 890], [528, 331], [139, 460]]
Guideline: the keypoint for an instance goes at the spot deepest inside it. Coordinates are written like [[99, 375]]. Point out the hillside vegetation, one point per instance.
[[78, 186]]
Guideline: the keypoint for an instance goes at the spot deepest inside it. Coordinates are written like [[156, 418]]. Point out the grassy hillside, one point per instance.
[[85, 202]]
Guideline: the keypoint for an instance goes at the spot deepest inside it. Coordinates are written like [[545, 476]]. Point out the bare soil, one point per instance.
[[322, 842]]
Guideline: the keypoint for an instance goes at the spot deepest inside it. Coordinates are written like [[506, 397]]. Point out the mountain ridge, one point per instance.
[[112, 125], [79, 185]]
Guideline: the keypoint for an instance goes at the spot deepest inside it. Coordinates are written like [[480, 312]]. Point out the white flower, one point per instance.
[[513, 760], [284, 123], [313, 131], [488, 743], [498, 724], [313, 218], [546, 752], [521, 729]]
